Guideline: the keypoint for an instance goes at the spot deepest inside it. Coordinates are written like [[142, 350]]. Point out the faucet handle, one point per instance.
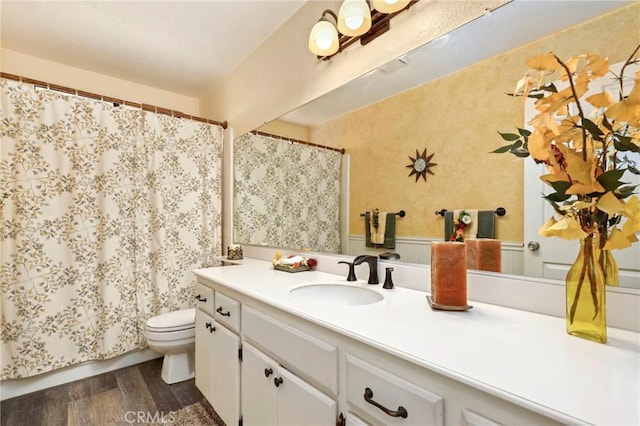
[[352, 272], [388, 281]]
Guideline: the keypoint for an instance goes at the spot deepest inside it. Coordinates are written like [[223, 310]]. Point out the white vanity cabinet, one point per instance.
[[388, 399], [296, 384], [271, 395], [218, 358]]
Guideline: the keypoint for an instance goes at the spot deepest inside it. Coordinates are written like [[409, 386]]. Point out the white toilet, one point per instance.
[[173, 334]]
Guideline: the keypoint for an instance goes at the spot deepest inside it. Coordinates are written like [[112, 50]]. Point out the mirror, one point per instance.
[[448, 97]]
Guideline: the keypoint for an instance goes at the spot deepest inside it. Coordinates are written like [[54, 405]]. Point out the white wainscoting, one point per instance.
[[418, 250]]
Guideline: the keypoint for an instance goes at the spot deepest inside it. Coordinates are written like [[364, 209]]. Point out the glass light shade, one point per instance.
[[323, 39], [354, 18], [390, 6]]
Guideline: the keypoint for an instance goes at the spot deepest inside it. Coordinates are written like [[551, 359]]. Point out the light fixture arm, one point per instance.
[[329, 12]]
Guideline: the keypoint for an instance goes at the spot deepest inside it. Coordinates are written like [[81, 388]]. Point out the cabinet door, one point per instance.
[[258, 389], [204, 354], [300, 404], [226, 374]]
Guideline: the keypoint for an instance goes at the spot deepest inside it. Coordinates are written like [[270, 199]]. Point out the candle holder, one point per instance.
[[234, 252], [448, 276]]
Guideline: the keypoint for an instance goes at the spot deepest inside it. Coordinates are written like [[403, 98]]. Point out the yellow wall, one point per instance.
[[288, 130], [457, 118], [18, 63]]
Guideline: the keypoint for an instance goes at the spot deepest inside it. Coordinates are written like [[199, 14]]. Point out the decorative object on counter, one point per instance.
[[586, 155], [234, 252], [448, 276], [388, 280], [484, 254], [421, 165], [480, 223], [293, 262], [380, 228], [586, 296]]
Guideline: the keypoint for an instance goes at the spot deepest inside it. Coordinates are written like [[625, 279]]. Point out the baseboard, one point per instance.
[[16, 387]]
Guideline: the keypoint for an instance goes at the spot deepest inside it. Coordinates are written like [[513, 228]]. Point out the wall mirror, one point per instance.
[[484, 56]]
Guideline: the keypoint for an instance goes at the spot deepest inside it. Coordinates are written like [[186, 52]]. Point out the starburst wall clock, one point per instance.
[[421, 165]]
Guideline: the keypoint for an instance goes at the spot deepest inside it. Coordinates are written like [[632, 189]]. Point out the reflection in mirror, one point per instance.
[[453, 108]]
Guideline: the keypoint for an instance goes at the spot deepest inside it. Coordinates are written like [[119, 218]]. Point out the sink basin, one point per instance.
[[336, 294]]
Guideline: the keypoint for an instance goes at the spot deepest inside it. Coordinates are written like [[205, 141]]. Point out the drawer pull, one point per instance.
[[277, 381], [224, 314], [210, 327], [268, 372], [201, 299], [401, 412]]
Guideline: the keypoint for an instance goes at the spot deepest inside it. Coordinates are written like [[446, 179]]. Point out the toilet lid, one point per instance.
[[182, 318]]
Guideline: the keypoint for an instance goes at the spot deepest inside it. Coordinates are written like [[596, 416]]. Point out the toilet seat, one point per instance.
[[169, 336], [184, 319]]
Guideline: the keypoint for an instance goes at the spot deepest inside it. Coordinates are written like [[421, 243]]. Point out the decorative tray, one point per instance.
[[438, 306], [287, 268]]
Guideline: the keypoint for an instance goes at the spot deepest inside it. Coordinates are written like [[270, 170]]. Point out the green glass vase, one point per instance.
[[585, 291]]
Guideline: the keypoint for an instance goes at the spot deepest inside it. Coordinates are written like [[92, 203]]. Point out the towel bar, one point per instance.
[[500, 211], [401, 213]]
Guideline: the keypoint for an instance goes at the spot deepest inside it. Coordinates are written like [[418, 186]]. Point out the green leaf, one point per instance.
[[561, 188], [606, 124], [624, 143], [610, 180], [557, 197], [502, 149], [593, 128], [520, 152], [524, 132], [625, 191], [509, 137]]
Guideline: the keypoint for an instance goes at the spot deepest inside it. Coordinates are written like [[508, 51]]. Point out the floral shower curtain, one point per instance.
[[286, 195], [105, 212]]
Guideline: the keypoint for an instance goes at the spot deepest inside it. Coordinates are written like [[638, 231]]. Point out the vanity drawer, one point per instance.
[[295, 350], [227, 311], [371, 391], [204, 298]]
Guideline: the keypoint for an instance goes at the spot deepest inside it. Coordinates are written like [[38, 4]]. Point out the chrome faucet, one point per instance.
[[373, 266]]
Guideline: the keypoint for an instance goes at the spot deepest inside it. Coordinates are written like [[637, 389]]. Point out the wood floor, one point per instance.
[[120, 397]]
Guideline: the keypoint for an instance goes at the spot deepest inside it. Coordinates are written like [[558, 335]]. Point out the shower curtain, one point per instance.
[[106, 209], [286, 194]]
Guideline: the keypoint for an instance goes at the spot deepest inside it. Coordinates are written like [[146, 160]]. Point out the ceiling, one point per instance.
[[187, 46], [180, 46]]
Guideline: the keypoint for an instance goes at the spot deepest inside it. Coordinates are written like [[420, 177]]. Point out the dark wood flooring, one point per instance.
[[114, 398]]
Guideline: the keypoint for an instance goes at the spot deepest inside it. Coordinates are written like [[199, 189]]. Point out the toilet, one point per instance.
[[173, 334]]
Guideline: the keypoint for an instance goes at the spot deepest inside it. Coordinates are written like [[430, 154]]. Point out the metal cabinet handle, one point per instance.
[[277, 381], [210, 327], [201, 299], [268, 372], [224, 314], [400, 412]]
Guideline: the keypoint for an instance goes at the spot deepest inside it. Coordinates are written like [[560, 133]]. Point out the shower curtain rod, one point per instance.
[[284, 138], [91, 95]]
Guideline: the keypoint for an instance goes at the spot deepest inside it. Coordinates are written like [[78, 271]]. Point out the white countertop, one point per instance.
[[522, 357]]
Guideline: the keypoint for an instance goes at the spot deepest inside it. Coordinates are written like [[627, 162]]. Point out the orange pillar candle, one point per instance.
[[449, 273], [484, 254]]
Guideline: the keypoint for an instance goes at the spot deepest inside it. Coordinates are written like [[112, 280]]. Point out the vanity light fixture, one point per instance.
[[354, 18], [390, 6], [362, 20], [323, 39]]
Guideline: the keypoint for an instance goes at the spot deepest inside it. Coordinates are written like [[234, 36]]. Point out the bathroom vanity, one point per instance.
[[311, 348]]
